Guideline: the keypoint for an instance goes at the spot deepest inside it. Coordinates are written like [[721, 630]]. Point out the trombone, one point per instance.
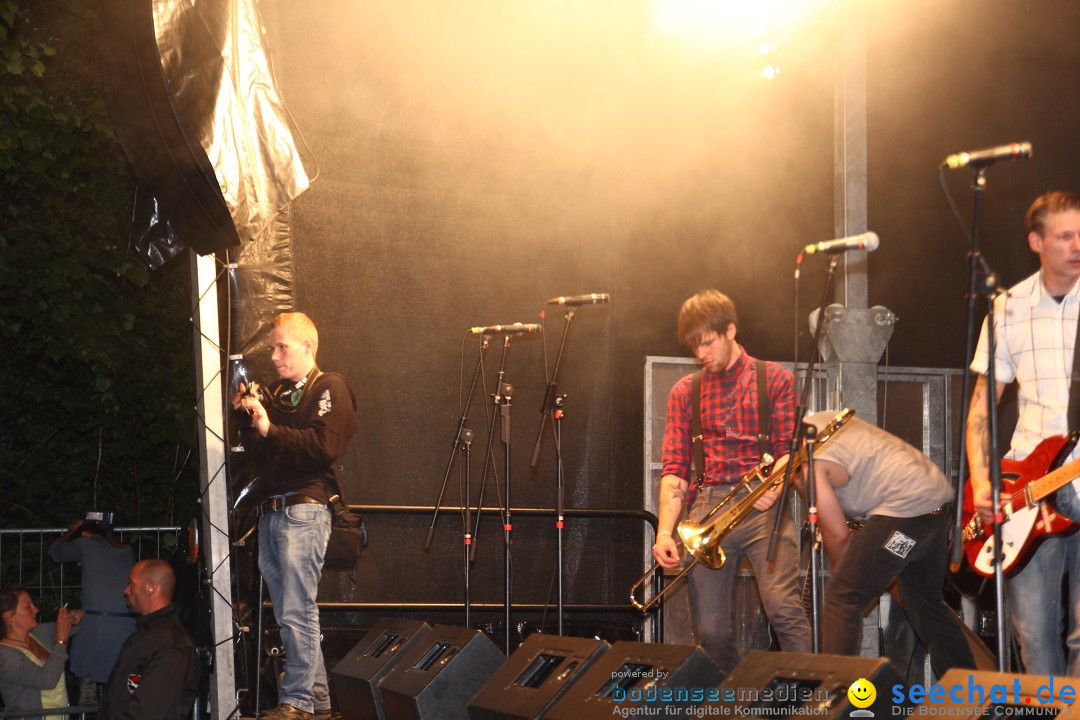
[[702, 540]]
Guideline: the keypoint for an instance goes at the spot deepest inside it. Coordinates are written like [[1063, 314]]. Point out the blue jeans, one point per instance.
[[292, 545], [1037, 608], [712, 592]]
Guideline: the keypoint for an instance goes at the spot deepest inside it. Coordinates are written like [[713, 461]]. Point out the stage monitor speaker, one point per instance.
[[982, 694], [770, 684], [535, 677], [356, 678], [631, 675], [436, 679]]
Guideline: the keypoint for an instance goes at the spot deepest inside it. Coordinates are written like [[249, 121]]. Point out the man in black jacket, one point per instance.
[[297, 433], [156, 675]]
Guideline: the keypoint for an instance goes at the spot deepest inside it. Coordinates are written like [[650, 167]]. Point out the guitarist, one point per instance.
[[1035, 330]]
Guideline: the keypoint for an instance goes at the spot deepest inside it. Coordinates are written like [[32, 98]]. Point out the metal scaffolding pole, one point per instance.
[[855, 335], [210, 415]]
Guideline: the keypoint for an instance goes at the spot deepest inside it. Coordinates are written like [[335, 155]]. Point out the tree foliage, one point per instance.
[[98, 393]]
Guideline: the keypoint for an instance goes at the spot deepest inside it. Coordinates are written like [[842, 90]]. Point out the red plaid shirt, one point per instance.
[[729, 422]]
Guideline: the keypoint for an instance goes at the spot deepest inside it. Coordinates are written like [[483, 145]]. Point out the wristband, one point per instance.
[[663, 532]]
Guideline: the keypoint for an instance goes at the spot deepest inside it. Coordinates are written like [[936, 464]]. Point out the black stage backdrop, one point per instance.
[[478, 157]]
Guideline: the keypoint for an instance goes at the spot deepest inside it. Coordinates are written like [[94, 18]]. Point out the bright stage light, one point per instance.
[[718, 23], [758, 31]]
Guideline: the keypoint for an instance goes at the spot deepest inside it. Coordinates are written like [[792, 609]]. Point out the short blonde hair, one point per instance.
[[300, 327], [1052, 202]]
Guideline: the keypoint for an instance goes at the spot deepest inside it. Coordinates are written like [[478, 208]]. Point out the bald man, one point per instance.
[[157, 674]]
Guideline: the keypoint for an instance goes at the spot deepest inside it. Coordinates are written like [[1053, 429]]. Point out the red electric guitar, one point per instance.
[[1024, 485]]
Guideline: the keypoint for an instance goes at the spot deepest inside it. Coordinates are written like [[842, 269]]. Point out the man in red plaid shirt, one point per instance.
[[729, 417]]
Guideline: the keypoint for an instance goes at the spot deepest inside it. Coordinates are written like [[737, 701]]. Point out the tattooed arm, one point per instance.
[[672, 498], [978, 445]]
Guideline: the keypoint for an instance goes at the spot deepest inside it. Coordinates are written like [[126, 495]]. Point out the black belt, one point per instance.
[[280, 502]]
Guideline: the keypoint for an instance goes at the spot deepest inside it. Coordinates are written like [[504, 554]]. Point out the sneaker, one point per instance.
[[286, 712]]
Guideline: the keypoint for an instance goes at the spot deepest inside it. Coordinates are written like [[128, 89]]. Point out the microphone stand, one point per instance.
[[560, 495], [793, 447], [956, 549], [463, 441], [554, 406], [989, 291], [507, 391], [810, 431], [466, 447], [995, 480], [501, 399]]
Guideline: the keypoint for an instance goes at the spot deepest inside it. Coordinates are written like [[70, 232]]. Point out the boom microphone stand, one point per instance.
[[553, 407], [989, 291], [501, 399], [799, 433], [462, 441]]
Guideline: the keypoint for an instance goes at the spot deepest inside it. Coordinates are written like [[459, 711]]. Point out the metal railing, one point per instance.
[[24, 559], [75, 711], [624, 607]]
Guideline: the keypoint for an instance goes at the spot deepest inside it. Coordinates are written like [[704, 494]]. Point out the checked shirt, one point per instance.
[[1035, 336], [729, 422]]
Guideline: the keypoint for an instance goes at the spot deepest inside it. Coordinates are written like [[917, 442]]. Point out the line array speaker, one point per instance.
[[162, 146]]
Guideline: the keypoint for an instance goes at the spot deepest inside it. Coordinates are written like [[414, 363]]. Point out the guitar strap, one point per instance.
[[696, 434], [1074, 384]]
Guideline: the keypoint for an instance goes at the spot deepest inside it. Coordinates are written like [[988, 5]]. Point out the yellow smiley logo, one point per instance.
[[862, 693]]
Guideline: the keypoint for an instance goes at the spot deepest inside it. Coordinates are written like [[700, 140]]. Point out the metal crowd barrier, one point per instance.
[[24, 559]]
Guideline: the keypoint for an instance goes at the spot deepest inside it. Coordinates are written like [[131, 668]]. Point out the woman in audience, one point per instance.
[[32, 656]]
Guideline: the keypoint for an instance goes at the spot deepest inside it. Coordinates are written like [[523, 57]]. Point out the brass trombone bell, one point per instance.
[[700, 540]]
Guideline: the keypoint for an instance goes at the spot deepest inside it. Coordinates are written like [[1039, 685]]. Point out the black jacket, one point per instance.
[[303, 450], [157, 674]]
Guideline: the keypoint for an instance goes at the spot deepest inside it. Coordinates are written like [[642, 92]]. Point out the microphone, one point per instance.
[[867, 241], [979, 158], [590, 299], [515, 328]]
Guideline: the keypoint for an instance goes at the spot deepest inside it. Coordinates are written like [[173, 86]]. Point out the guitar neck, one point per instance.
[[1053, 481]]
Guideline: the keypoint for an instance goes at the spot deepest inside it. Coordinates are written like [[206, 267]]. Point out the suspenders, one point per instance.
[[696, 440]]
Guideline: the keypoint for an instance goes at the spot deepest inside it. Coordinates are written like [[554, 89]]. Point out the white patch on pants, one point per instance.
[[899, 544]]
